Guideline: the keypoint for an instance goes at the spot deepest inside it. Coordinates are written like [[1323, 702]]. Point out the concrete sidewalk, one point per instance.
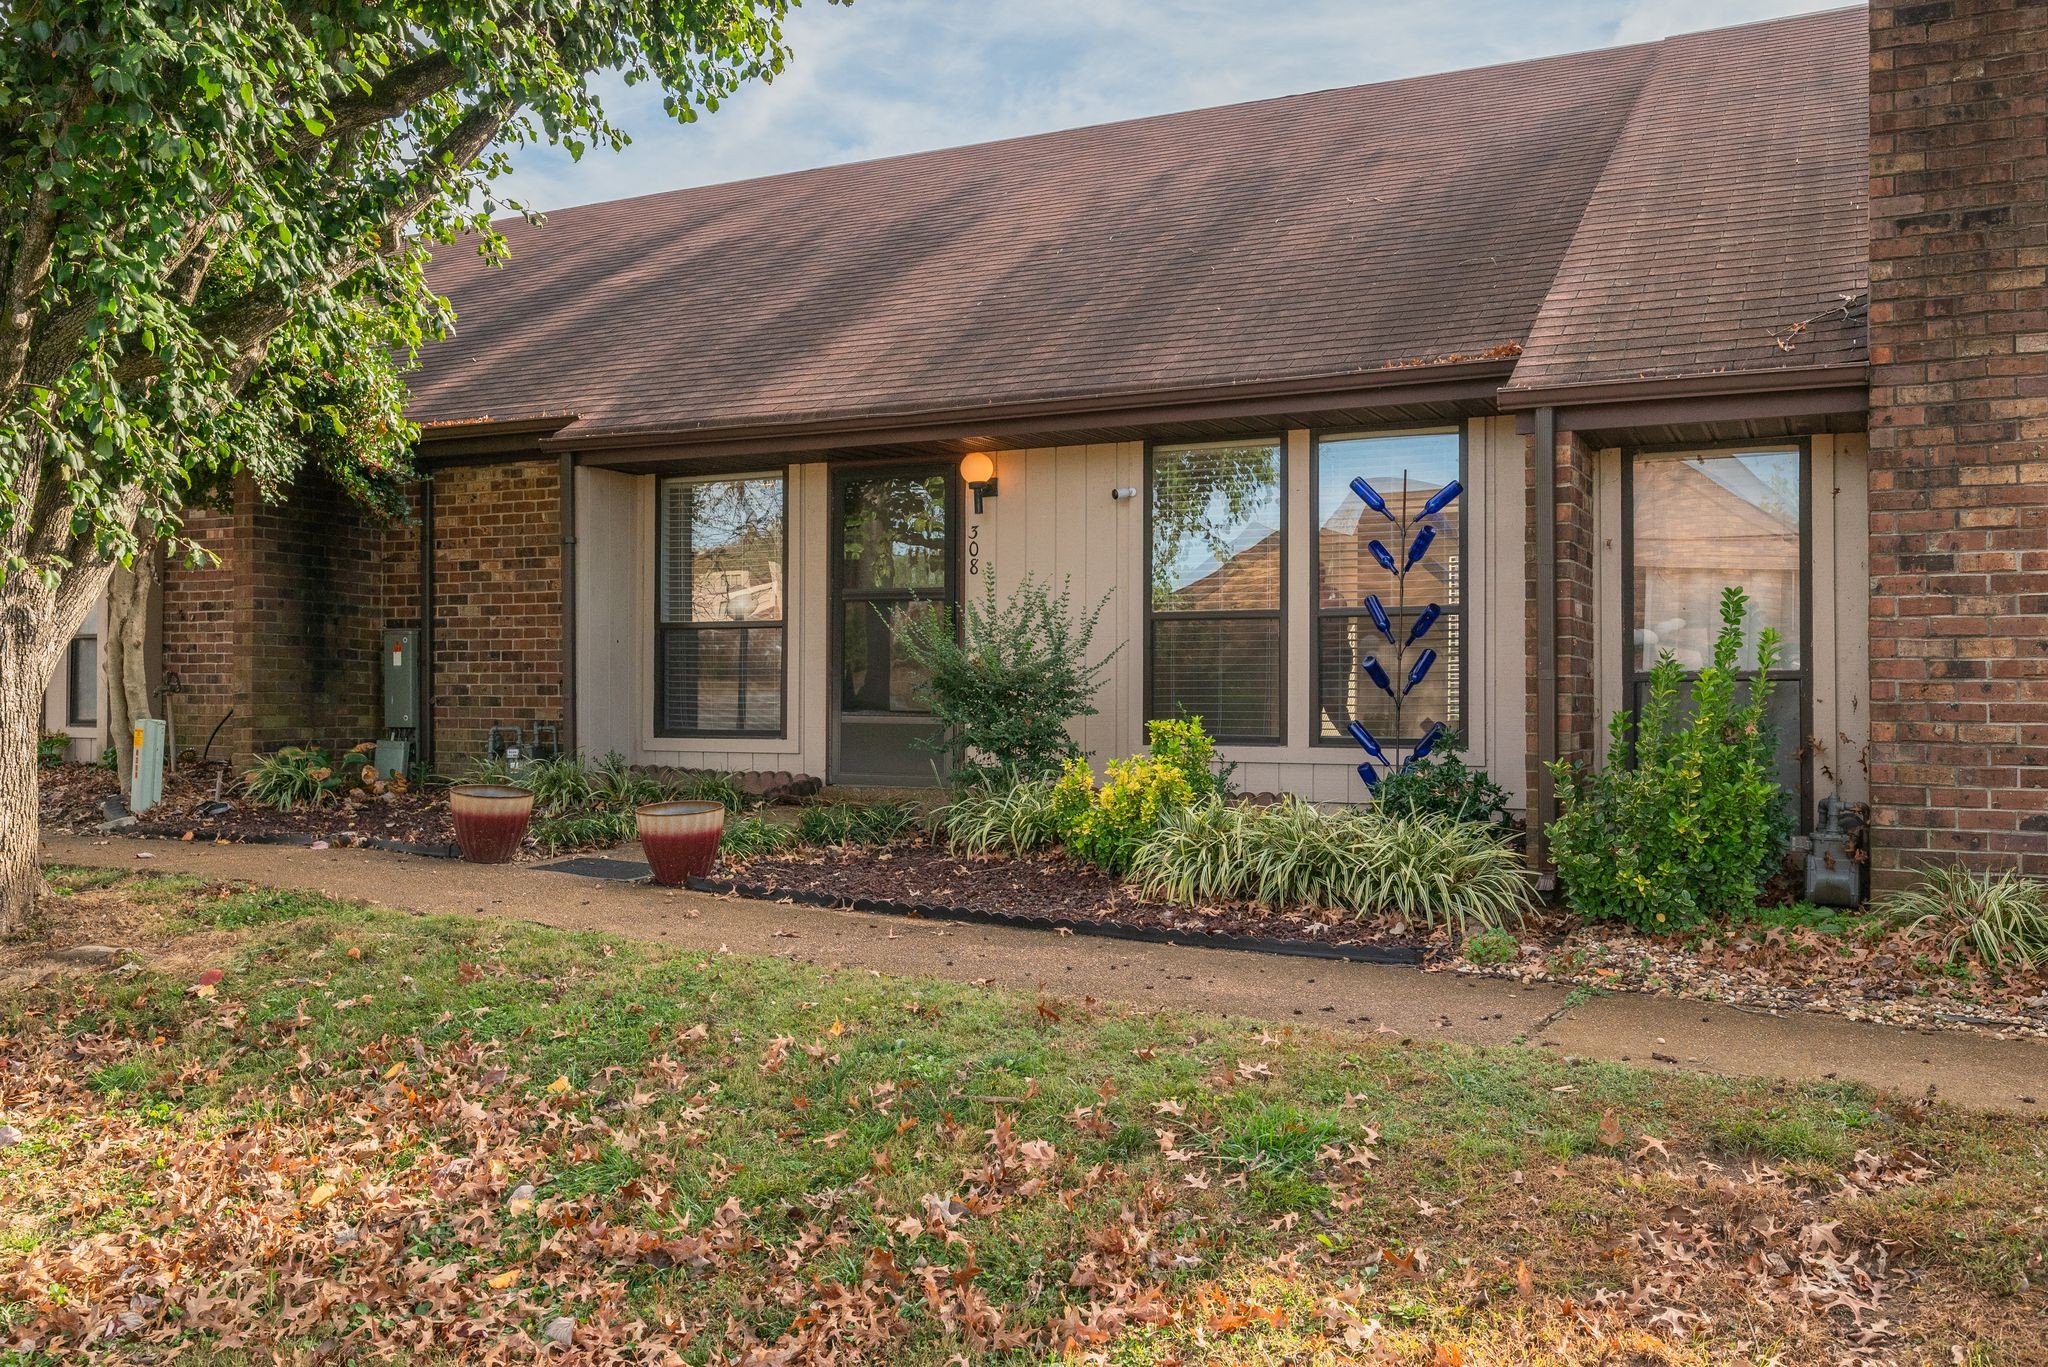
[[1655, 1032]]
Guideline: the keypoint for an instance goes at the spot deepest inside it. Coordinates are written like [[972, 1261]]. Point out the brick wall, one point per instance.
[[497, 600], [1959, 435], [1578, 723], [287, 627]]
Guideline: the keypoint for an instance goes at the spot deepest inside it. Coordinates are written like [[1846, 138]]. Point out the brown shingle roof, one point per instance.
[[1295, 239], [1730, 230]]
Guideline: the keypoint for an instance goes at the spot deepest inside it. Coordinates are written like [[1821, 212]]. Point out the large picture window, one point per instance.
[[1406, 469], [1699, 522], [1214, 631], [720, 584]]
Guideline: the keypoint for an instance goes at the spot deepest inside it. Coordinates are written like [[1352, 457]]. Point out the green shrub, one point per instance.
[[749, 837], [1183, 743], [1422, 870], [1687, 820], [293, 776], [1011, 820], [52, 748], [1442, 784], [1136, 794], [856, 823], [1492, 948], [2004, 919], [1005, 682]]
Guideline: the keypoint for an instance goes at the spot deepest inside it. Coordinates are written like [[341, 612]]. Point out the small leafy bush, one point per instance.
[[1687, 821], [1005, 680], [856, 823], [1422, 870], [1442, 784], [1492, 948], [293, 776], [1013, 820], [749, 837], [1105, 825], [1136, 794], [2003, 919], [52, 749]]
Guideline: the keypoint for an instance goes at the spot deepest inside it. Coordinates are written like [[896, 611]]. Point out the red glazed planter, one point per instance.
[[490, 821], [680, 839]]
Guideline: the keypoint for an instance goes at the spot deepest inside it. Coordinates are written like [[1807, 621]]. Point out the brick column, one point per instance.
[[1578, 723], [1959, 435]]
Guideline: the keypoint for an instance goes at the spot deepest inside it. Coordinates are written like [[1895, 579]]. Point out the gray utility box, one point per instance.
[[401, 680]]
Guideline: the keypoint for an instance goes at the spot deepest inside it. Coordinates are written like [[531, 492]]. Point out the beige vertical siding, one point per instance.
[[1841, 615], [1056, 520]]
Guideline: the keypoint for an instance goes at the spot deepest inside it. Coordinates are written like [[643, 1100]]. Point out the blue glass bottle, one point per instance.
[[1373, 500], [1428, 742], [1370, 775], [1383, 555], [1420, 671], [1366, 741], [1377, 674], [1416, 551], [1442, 498], [1380, 619], [1424, 620]]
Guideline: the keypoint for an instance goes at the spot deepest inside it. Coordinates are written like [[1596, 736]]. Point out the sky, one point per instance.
[[882, 77]]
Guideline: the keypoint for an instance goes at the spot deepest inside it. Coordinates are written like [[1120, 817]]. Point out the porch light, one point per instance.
[[978, 468]]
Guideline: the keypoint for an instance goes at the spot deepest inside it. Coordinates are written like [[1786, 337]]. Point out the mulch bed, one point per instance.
[[1045, 887], [74, 798]]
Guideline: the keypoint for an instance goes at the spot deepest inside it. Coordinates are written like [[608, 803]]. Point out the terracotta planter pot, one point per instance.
[[680, 838], [490, 820]]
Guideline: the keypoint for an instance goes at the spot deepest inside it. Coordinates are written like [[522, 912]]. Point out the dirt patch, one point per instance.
[[74, 798], [139, 928], [1051, 887]]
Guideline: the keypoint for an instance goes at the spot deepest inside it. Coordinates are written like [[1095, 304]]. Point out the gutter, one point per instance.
[[1715, 384], [1545, 457], [566, 505], [1457, 381]]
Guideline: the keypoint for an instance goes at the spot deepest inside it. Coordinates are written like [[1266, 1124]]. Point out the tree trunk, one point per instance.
[[36, 622], [124, 647]]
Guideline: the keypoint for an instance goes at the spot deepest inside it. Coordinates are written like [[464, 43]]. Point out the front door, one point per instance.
[[892, 554]]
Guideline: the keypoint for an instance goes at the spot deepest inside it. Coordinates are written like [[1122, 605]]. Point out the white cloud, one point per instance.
[[884, 77]]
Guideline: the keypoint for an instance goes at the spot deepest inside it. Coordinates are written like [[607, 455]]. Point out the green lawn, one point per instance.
[[444, 1137]]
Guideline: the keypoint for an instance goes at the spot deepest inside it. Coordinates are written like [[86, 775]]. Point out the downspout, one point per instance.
[[567, 516], [1546, 629], [426, 726]]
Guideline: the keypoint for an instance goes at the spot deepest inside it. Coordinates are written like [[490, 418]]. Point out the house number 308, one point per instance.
[[974, 550]]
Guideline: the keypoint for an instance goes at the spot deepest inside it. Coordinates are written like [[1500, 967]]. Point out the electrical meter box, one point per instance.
[[401, 680]]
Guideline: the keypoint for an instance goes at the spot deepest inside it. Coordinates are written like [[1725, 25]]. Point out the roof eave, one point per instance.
[[1386, 386]]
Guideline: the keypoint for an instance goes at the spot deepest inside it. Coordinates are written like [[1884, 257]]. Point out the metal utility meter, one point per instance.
[[401, 680]]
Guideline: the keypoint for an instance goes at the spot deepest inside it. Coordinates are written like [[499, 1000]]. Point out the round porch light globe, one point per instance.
[[977, 467]]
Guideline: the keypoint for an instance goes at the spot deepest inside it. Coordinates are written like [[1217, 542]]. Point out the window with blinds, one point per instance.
[[1406, 469], [1214, 637], [721, 576]]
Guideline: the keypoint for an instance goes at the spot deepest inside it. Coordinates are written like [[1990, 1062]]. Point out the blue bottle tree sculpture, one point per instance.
[[1412, 658]]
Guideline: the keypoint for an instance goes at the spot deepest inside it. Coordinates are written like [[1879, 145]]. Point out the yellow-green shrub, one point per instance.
[[1136, 794]]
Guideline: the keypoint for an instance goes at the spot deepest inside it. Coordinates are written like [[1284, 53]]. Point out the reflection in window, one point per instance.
[[718, 666], [1406, 469], [1215, 639], [1700, 523]]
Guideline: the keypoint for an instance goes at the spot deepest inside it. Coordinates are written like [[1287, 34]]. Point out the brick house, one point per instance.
[[1766, 305]]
